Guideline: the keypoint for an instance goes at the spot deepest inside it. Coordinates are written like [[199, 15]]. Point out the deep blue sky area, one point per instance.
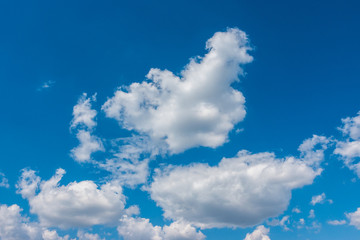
[[304, 79]]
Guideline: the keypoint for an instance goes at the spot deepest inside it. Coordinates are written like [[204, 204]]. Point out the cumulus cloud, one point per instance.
[[83, 114], [140, 228], [14, 226], [260, 233], [349, 149], [88, 145], [239, 192], [354, 218], [78, 204], [84, 121], [53, 235], [197, 108]]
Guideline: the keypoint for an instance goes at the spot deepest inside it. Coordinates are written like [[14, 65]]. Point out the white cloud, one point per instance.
[[354, 218], [296, 210], [14, 226], [312, 149], [239, 192], [83, 114], [282, 223], [197, 108], [130, 164], [336, 222], [4, 181], [311, 213], [349, 149], [260, 233], [46, 85], [88, 145], [126, 172], [318, 199], [88, 236], [84, 121], [53, 235], [140, 228], [78, 204]]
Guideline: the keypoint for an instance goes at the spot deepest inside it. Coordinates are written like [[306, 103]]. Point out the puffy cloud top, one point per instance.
[[78, 204], [240, 192], [198, 108], [140, 228], [260, 233]]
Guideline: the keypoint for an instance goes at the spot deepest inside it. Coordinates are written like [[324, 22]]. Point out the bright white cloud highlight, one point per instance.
[[140, 228], [349, 149], [78, 204], [239, 192], [260, 233], [197, 108]]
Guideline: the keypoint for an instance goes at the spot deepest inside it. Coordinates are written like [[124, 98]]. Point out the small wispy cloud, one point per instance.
[[336, 222], [46, 85], [4, 181]]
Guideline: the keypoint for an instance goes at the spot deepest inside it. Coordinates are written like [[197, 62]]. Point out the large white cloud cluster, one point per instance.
[[239, 192], [197, 108], [78, 204]]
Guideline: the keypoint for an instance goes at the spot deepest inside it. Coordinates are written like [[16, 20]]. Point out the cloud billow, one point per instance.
[[197, 108]]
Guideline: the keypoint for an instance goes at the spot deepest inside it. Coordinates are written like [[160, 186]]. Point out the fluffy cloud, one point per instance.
[[88, 236], [83, 114], [197, 108], [260, 233], [14, 226], [354, 218], [84, 121], [140, 228], [239, 192], [88, 145], [349, 149], [53, 235], [78, 204]]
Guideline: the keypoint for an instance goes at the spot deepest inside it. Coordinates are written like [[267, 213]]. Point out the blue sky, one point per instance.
[[157, 155]]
